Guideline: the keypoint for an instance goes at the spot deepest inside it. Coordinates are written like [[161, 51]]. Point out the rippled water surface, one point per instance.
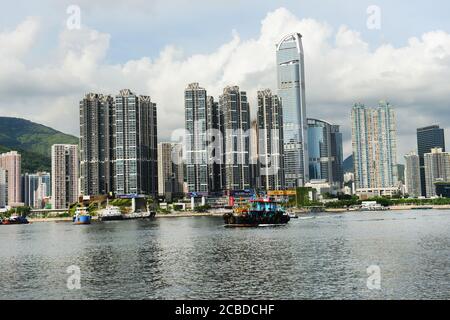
[[314, 257]]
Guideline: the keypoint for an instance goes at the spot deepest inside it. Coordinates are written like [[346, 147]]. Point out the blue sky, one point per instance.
[[158, 47]]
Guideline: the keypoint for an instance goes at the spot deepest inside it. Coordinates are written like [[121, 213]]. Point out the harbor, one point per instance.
[[318, 256]]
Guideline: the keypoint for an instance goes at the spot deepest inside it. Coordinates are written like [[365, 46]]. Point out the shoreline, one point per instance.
[[212, 214], [95, 218]]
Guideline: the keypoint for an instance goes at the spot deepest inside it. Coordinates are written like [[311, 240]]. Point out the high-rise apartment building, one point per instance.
[[385, 138], [362, 145], [255, 175], [325, 152], [374, 146], [270, 141], [197, 168], [236, 130], [215, 145], [11, 162], [412, 175], [291, 90], [64, 175], [97, 138], [3, 188], [118, 144], [437, 169], [428, 138], [170, 170], [135, 149]]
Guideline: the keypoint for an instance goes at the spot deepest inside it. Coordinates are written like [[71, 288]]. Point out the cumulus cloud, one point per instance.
[[341, 69]]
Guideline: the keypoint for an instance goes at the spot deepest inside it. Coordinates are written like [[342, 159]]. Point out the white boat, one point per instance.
[[110, 213], [139, 215]]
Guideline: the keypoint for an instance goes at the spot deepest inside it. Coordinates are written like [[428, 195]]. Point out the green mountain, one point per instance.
[[32, 140]]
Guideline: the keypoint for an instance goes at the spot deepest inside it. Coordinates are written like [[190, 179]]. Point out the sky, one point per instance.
[[157, 47]]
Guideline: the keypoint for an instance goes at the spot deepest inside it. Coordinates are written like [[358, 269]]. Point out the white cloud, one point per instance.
[[341, 69]]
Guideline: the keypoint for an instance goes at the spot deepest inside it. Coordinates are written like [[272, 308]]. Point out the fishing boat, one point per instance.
[[258, 213], [111, 213], [82, 216]]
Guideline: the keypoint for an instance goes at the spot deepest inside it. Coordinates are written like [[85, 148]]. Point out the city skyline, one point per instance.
[[251, 75], [226, 158]]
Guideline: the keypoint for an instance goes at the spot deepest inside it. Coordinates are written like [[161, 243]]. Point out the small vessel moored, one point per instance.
[[261, 212], [140, 215], [82, 216], [111, 213], [15, 220]]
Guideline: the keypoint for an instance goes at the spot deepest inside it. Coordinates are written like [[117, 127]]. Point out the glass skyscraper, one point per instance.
[[325, 152], [291, 90], [428, 138], [337, 152]]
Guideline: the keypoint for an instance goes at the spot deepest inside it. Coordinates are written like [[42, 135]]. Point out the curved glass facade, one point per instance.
[[319, 150], [291, 90], [325, 152]]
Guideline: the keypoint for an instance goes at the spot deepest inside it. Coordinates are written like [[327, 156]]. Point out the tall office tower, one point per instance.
[[64, 175], [428, 138], [337, 153], [325, 152], [362, 144], [96, 144], [401, 173], [437, 169], [255, 175], [270, 141], [3, 188], [412, 175], [36, 188], [136, 146], [214, 120], [291, 90], [236, 118], [374, 146], [197, 169], [385, 138], [11, 162], [170, 170]]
